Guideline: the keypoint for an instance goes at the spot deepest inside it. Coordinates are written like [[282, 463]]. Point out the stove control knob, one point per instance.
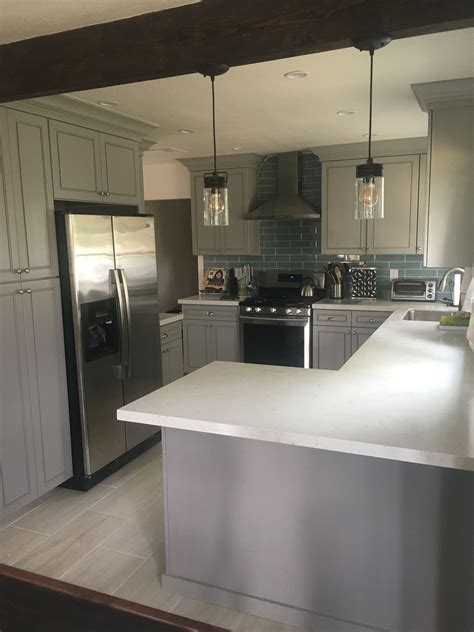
[[258, 309], [298, 311], [273, 310], [248, 309], [289, 310]]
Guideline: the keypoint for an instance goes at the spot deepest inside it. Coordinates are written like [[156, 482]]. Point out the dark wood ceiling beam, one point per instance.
[[236, 32]]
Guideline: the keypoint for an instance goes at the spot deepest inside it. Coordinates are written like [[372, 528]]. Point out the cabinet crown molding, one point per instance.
[[231, 161], [70, 109], [443, 94], [392, 147]]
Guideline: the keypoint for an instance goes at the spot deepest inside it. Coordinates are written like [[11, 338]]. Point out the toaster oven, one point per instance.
[[413, 290]]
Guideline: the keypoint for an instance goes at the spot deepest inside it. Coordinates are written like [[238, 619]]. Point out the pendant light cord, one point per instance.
[[370, 102], [214, 123]]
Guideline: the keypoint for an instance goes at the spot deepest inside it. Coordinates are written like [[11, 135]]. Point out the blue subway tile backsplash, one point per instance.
[[295, 244]]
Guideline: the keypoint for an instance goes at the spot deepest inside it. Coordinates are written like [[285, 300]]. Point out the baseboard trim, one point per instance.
[[282, 613]]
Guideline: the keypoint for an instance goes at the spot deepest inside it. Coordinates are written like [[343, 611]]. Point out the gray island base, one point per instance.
[[329, 541]]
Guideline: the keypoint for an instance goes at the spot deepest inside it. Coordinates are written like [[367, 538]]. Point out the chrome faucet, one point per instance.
[[458, 274]]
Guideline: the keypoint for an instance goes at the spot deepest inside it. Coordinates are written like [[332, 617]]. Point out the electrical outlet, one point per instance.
[[393, 274]]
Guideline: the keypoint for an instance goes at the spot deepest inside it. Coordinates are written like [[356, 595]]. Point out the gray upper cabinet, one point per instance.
[[396, 233], [17, 459], [120, 169], [9, 253], [241, 236], [90, 166], [27, 230], [35, 445], [32, 195], [75, 155], [340, 232], [401, 230]]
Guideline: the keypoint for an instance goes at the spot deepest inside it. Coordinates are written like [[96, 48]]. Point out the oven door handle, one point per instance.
[[260, 320]]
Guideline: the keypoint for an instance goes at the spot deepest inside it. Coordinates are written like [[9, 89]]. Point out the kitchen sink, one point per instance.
[[427, 315]]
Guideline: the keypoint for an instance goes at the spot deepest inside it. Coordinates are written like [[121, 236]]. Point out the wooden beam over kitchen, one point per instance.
[[236, 32]]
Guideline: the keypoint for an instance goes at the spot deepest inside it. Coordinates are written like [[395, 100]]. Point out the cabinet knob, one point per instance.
[[107, 193], [101, 193], [28, 291], [354, 333], [348, 332], [419, 249], [21, 291], [27, 270], [164, 336], [210, 313]]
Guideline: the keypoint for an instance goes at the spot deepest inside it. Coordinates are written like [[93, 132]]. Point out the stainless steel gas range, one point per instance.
[[275, 325]]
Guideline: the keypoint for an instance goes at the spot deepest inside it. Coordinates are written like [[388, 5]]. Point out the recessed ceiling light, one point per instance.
[[296, 74], [186, 130], [345, 112], [108, 104]]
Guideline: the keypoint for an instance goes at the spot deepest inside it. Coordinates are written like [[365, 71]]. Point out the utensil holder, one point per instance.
[[335, 290]]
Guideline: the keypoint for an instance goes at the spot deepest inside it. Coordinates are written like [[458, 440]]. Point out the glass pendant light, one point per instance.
[[369, 176], [216, 201]]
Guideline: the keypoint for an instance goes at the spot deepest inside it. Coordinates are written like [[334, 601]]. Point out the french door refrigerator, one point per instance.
[[111, 315]]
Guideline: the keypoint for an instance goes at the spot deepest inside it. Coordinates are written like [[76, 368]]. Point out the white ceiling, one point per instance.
[[22, 19], [258, 110]]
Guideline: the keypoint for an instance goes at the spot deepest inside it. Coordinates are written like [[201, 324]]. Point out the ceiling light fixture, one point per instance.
[[108, 104], [186, 130], [345, 112], [216, 200], [369, 176], [296, 74]]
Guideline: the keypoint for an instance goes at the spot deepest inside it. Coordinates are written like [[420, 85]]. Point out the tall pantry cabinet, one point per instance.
[[35, 451]]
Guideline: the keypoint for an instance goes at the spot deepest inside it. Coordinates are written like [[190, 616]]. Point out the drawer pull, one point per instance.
[[372, 320], [210, 313], [331, 318], [164, 336]]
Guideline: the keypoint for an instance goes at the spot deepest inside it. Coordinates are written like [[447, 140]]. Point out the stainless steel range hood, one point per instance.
[[288, 204]]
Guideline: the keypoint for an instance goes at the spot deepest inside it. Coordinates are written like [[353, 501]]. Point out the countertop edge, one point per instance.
[[406, 455]]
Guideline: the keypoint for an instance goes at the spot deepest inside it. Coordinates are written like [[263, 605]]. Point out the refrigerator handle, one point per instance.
[[120, 369], [129, 321]]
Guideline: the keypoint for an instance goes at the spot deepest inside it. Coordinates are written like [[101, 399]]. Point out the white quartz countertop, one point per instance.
[[377, 304], [208, 300], [167, 319], [407, 394]]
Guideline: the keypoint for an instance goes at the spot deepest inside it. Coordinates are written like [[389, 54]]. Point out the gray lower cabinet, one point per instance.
[[171, 352], [18, 484], [208, 335], [35, 445], [332, 347], [359, 336], [334, 343], [27, 230]]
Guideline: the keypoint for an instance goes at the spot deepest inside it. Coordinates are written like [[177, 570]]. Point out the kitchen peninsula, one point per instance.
[[339, 501]]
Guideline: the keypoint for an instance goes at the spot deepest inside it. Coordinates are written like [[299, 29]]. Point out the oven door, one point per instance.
[[280, 341]]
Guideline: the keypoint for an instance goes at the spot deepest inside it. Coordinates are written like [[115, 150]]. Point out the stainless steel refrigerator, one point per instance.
[[110, 308]]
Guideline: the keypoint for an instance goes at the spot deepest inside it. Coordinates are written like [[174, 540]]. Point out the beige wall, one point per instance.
[[167, 181]]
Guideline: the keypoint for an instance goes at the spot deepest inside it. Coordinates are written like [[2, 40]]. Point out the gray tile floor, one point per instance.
[[111, 539]]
